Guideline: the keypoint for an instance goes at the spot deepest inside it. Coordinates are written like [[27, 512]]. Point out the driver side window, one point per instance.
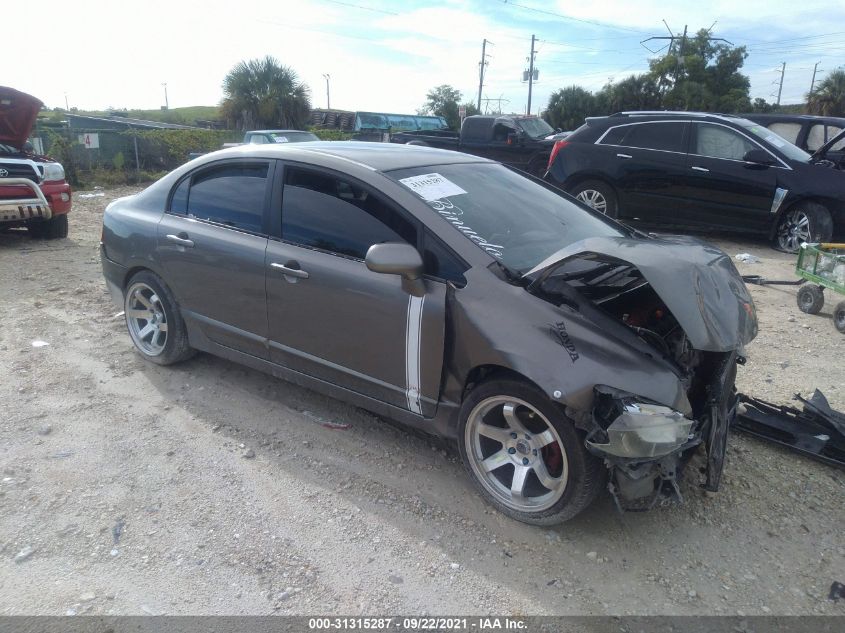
[[717, 141], [331, 214]]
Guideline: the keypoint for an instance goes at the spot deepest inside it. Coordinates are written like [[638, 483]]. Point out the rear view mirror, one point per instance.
[[393, 258], [758, 157]]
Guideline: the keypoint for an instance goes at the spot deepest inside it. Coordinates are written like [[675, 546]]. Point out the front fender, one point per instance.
[[565, 353]]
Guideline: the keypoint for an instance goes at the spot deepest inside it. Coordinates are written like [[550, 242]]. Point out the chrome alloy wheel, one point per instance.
[[793, 230], [146, 319], [516, 454], [593, 198]]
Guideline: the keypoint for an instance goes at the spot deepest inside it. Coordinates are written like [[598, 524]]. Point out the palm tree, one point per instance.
[[261, 93], [829, 98]]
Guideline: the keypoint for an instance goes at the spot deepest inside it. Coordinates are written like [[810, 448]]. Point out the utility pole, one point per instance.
[[481, 65], [780, 86], [530, 73], [67, 107], [166, 102], [680, 57], [327, 76], [813, 83]]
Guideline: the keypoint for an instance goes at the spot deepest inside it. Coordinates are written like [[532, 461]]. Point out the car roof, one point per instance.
[[277, 131], [374, 156], [664, 114], [793, 118]]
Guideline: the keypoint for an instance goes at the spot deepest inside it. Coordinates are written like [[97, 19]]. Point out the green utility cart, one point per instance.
[[823, 266]]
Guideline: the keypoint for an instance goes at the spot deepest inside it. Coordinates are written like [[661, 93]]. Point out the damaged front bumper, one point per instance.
[[646, 445]]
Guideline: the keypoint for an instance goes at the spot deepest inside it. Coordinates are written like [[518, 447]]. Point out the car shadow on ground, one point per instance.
[[431, 469]]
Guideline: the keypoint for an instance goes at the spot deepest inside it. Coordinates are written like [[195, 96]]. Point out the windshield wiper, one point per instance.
[[513, 276]]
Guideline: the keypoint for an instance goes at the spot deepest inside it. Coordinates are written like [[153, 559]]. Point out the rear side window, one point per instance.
[[614, 135], [331, 214], [179, 201], [717, 141], [477, 130], [232, 195], [668, 136]]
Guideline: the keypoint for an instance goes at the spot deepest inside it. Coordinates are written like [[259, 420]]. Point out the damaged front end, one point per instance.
[[646, 445], [687, 306]]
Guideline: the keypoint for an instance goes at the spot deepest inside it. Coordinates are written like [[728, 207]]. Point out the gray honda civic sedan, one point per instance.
[[564, 352]]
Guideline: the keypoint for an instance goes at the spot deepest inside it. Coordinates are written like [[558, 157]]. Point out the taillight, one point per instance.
[[559, 145]]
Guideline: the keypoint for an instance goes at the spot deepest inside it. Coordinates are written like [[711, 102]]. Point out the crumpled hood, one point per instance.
[[696, 281], [18, 112]]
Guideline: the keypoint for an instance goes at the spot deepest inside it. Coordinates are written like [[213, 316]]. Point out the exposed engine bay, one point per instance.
[[645, 444]]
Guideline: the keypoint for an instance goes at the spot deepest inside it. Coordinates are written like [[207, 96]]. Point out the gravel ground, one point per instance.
[[208, 488]]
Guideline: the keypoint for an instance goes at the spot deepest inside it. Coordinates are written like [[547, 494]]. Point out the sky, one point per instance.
[[385, 55]]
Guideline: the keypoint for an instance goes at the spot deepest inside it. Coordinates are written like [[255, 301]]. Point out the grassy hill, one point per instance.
[[182, 116]]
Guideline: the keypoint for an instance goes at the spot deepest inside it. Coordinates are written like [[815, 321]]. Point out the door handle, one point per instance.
[[181, 241], [696, 168], [624, 156], [290, 272]]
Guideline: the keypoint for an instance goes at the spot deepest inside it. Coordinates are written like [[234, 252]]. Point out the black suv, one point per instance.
[[701, 171]]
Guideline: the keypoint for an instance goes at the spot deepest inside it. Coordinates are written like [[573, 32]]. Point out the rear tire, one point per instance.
[[810, 298], [839, 317], [152, 317], [803, 222], [598, 195], [55, 228], [524, 455]]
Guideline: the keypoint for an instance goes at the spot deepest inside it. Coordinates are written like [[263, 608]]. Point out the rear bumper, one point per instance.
[[22, 199], [114, 275]]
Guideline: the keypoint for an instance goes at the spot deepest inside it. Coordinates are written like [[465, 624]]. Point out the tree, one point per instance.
[[829, 98], [761, 106], [443, 101], [568, 107], [700, 74], [261, 93], [637, 92]]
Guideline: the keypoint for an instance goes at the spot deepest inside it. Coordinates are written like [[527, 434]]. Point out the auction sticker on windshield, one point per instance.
[[432, 187]]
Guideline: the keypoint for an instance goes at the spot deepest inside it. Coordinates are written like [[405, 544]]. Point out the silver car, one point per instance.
[[564, 352]]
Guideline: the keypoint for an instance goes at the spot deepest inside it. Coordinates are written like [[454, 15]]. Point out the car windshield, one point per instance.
[[513, 218], [784, 147], [535, 128]]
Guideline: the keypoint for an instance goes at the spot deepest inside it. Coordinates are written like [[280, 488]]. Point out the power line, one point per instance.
[[358, 6], [569, 17]]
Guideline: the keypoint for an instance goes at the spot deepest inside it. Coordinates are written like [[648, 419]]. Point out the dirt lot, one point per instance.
[[209, 488]]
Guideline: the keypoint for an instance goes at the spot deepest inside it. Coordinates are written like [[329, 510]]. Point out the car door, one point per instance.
[[725, 191], [211, 243], [332, 318], [647, 165]]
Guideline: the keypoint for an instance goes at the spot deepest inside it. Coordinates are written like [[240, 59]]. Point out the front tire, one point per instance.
[[56, 228], [810, 298], [523, 454], [152, 317], [803, 222], [598, 195]]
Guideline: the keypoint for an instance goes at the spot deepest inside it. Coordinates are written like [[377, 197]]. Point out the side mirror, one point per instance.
[[758, 156], [558, 130], [393, 258], [514, 138]]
